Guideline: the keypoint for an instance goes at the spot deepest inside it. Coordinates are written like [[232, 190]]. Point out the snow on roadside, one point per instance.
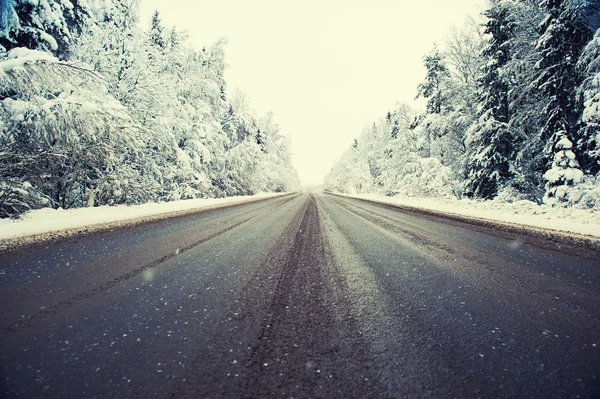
[[526, 213], [47, 220]]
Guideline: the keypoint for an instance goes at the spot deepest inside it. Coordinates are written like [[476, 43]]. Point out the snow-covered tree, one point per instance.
[[564, 175], [156, 33], [563, 35], [390, 163], [512, 112], [492, 142], [131, 117], [526, 103], [63, 135], [589, 133], [431, 87], [350, 174], [48, 25]]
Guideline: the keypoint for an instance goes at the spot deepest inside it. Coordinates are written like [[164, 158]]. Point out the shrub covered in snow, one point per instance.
[[17, 197]]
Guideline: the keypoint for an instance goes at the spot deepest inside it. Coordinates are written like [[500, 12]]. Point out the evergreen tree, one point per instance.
[[563, 35], [431, 88], [259, 140], [174, 38], [48, 25], [436, 123], [156, 32], [589, 133], [526, 102], [492, 145], [395, 129]]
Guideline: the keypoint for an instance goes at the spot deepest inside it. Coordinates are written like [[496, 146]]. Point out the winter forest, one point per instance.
[[512, 113], [96, 111]]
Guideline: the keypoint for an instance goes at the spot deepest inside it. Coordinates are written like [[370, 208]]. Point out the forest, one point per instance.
[[95, 110], [512, 113]]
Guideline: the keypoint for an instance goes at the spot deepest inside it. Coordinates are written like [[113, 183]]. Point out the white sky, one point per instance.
[[324, 67]]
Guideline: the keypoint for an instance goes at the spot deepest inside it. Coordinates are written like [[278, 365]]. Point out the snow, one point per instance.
[[574, 175], [20, 56], [50, 40], [88, 107], [564, 143], [525, 213], [48, 220], [183, 158]]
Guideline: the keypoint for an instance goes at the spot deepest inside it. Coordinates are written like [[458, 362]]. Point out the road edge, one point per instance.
[[21, 242], [587, 243]]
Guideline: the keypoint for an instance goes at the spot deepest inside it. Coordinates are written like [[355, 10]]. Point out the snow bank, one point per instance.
[[47, 221], [525, 213]]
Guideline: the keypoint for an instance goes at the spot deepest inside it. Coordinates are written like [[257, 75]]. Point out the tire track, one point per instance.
[[308, 347], [372, 310], [569, 243], [60, 307], [290, 333], [242, 323], [509, 277]]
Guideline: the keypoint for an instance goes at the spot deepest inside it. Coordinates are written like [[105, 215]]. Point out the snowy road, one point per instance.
[[299, 296]]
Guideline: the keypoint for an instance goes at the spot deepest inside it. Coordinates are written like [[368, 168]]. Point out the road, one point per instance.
[[306, 295]]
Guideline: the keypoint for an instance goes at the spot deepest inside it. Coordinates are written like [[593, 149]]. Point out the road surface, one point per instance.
[[306, 295]]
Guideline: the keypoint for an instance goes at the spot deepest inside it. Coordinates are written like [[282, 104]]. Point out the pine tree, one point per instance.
[[174, 38], [563, 35], [492, 146], [526, 102], [260, 140], [395, 130], [589, 132], [564, 173], [156, 32], [47, 25], [431, 88]]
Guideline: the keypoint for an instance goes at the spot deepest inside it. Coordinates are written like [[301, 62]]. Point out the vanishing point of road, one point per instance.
[[304, 295]]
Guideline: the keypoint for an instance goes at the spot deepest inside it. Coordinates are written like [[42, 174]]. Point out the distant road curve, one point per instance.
[[307, 295]]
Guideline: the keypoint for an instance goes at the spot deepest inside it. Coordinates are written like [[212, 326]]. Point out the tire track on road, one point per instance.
[[307, 346], [58, 308], [290, 332], [397, 345], [219, 369], [485, 268]]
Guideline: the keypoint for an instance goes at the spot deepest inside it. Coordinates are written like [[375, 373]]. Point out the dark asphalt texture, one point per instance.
[[304, 296]]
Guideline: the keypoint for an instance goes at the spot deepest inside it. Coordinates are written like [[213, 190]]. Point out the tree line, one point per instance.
[[96, 111], [512, 112]]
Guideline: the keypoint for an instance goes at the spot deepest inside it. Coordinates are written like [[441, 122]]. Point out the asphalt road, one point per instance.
[[307, 295]]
